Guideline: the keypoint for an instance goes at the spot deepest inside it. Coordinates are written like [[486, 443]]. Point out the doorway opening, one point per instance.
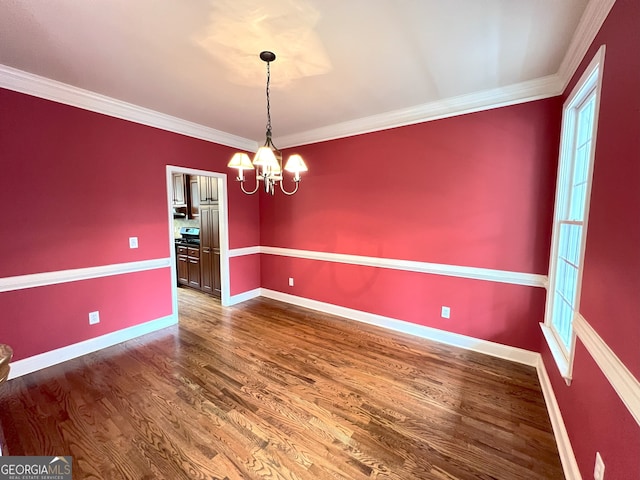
[[198, 232]]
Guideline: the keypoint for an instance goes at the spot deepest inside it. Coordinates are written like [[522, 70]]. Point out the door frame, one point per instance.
[[223, 217]]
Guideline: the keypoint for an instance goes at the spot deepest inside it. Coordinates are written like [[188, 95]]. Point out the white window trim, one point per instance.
[[563, 358]]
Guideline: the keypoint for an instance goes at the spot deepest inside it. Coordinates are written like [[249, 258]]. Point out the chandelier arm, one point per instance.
[[281, 182], [254, 190]]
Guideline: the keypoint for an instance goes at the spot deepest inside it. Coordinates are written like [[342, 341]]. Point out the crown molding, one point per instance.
[[592, 19], [41, 87], [536, 89], [540, 88], [590, 23]]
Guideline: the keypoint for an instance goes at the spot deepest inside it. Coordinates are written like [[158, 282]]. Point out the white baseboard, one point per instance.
[[568, 459], [53, 357], [455, 339], [242, 297]]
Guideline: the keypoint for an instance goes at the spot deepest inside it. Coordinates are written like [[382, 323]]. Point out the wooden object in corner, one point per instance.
[[6, 353]]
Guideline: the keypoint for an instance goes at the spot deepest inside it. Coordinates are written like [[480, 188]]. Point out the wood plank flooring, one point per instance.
[[265, 390]]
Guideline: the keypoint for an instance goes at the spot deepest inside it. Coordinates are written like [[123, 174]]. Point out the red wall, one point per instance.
[[246, 271], [474, 190], [497, 312], [595, 417], [37, 320], [74, 186]]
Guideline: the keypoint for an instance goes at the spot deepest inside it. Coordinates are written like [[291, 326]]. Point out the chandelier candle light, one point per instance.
[[268, 159]]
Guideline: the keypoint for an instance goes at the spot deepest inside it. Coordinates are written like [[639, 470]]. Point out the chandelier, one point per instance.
[[268, 159]]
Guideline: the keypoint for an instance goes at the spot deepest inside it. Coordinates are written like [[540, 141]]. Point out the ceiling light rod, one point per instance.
[[268, 158]]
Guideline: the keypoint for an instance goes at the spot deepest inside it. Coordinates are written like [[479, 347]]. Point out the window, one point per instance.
[[573, 191]]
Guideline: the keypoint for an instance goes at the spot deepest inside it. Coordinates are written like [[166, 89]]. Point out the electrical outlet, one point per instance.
[[598, 471], [291, 281], [446, 312], [133, 242], [94, 317]]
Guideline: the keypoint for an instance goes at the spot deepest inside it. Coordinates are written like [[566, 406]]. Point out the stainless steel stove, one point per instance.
[[189, 236]]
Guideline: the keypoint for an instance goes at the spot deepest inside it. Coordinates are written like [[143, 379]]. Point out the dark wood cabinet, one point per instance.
[[210, 227], [183, 269], [194, 267], [208, 187], [186, 195], [188, 259], [194, 197], [179, 190], [210, 249]]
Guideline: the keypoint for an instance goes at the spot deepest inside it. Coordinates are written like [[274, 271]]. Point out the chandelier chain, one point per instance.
[[268, 101]]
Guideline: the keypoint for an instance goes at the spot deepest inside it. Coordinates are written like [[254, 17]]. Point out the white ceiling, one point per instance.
[[338, 60]]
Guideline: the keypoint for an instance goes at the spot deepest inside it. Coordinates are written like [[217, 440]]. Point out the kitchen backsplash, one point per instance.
[[183, 222]]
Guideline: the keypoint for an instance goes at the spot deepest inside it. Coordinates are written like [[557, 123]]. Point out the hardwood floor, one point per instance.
[[265, 390]]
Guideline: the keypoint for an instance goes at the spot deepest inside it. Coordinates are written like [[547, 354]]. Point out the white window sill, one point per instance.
[[564, 366]]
